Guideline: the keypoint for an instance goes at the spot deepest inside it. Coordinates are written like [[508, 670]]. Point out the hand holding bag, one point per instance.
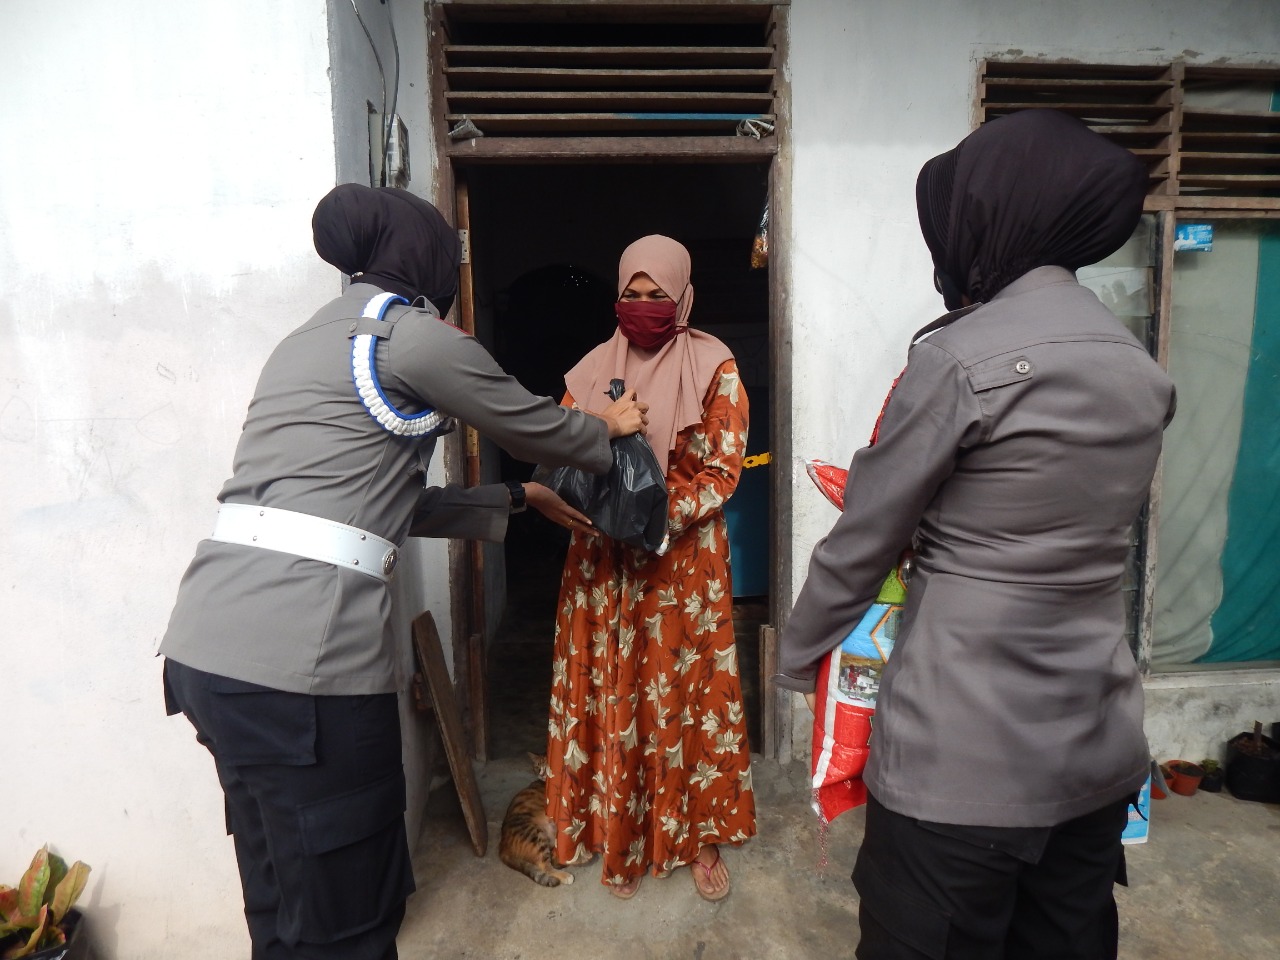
[[629, 503]]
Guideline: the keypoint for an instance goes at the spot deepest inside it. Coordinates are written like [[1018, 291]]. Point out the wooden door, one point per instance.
[[474, 632]]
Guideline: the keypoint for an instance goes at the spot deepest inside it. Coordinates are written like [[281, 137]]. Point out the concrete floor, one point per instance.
[[1206, 885]]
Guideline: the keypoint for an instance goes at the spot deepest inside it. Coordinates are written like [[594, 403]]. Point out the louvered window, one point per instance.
[[1210, 136], [507, 72]]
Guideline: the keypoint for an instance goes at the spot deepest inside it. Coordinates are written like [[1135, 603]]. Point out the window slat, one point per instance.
[[548, 78], [605, 148], [611, 57], [1247, 139], [590, 101], [1118, 110], [996, 69], [585, 70], [1252, 181], [1243, 118], [1232, 159], [1205, 156], [1092, 88], [642, 121], [1145, 131]]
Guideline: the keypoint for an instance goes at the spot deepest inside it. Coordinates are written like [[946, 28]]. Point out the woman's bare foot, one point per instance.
[[710, 875], [625, 891]]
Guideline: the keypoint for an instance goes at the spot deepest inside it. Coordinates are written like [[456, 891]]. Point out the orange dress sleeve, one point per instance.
[[706, 470]]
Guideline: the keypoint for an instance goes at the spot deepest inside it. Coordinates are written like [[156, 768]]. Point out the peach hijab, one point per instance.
[[674, 378]]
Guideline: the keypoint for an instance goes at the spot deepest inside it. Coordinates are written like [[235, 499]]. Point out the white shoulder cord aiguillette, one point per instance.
[[364, 372]]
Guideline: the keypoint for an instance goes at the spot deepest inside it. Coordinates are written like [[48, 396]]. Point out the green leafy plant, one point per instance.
[[32, 914], [1210, 767]]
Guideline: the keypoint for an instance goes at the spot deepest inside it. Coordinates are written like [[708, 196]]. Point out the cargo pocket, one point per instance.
[[253, 728], [902, 918], [355, 861]]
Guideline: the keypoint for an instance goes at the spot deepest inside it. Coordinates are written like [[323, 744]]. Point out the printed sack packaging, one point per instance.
[[847, 687], [849, 679], [828, 478]]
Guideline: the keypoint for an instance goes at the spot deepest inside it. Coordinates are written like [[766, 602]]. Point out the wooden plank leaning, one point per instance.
[[430, 657]]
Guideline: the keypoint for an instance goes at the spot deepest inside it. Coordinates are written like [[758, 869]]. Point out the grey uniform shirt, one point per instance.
[[1015, 453], [310, 446]]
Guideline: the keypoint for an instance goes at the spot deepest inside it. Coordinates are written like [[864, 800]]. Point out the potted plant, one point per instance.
[[1186, 777], [36, 917], [1212, 782], [1253, 766]]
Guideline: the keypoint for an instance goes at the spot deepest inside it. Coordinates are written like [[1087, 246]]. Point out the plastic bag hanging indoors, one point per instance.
[[760, 245], [629, 503]]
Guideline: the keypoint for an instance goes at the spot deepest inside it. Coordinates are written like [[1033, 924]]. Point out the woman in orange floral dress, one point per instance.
[[647, 748]]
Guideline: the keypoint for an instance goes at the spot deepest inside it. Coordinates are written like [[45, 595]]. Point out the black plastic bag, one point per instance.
[[629, 503]]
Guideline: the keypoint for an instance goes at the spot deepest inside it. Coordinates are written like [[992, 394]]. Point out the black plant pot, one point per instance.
[[77, 945], [1212, 782], [1252, 777]]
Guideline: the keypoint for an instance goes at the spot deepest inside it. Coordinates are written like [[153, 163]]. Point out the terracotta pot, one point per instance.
[[1186, 777]]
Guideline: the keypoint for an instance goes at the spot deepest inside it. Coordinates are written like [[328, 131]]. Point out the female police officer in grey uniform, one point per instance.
[[279, 647], [1015, 451]]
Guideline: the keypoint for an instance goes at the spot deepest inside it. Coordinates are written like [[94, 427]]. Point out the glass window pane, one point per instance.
[[1218, 583], [1125, 282]]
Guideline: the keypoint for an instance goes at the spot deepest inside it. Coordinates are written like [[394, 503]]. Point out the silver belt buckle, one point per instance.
[[389, 562]]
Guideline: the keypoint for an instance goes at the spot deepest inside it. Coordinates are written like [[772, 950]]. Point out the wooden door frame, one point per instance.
[[450, 193]]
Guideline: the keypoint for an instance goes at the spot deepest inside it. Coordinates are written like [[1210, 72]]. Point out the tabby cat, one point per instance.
[[528, 838]]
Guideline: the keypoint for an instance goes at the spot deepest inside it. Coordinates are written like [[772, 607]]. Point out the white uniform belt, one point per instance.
[[306, 536]]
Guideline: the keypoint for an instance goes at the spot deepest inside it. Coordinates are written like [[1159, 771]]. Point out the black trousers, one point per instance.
[[315, 801], [952, 893]]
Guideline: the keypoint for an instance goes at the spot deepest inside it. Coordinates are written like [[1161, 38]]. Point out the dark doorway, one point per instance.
[[545, 241]]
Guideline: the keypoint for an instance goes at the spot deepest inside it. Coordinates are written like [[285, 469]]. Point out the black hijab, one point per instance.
[[1032, 189], [389, 238]]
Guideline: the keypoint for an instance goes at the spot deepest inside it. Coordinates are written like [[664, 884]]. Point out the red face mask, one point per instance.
[[648, 324]]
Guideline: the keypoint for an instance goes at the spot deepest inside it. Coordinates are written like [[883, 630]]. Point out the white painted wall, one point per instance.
[[1191, 715], [877, 89], [159, 165], [422, 581]]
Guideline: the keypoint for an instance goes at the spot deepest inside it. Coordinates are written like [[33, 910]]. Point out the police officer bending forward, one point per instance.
[[279, 647]]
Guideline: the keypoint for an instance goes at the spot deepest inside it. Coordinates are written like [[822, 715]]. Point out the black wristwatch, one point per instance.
[[518, 503]]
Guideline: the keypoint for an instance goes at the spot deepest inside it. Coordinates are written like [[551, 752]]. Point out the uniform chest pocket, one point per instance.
[[1000, 372]]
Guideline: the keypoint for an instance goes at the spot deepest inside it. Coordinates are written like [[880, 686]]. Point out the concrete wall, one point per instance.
[[877, 89], [160, 165], [1191, 715], [357, 84]]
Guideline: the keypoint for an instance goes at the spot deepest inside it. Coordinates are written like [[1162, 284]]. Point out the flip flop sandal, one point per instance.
[[706, 872], [615, 889]]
